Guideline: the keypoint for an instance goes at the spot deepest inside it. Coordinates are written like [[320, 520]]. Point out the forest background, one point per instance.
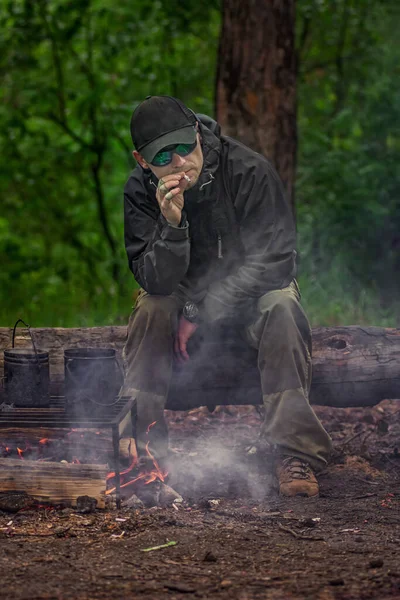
[[73, 71]]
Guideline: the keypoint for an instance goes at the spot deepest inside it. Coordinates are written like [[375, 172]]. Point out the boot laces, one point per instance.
[[296, 468]]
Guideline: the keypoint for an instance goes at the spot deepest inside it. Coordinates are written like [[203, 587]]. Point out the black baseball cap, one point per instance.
[[160, 121]]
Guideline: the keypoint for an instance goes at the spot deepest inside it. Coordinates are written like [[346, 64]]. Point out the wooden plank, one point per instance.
[[54, 483]]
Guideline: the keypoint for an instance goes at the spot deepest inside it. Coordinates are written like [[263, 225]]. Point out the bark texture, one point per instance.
[[256, 80]]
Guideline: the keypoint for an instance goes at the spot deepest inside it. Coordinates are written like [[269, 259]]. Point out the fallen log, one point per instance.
[[53, 483], [352, 366]]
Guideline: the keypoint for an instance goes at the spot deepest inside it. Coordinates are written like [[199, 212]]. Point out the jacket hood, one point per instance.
[[211, 146]]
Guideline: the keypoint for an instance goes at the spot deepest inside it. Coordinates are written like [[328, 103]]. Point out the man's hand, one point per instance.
[[170, 197], [185, 331]]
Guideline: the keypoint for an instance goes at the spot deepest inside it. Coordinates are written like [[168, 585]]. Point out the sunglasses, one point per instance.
[[164, 157]]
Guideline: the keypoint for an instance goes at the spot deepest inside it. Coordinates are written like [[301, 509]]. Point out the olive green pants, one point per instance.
[[279, 331]]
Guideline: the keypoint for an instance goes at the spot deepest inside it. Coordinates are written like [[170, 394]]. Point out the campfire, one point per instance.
[[55, 459], [146, 477], [65, 465]]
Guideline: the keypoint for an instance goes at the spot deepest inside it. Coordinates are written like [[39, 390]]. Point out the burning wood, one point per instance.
[[59, 448], [144, 476], [55, 445]]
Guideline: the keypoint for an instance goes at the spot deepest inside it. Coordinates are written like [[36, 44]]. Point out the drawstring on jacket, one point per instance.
[[207, 182], [220, 255]]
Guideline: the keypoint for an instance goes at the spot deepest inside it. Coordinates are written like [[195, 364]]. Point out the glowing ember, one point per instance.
[[92, 450]]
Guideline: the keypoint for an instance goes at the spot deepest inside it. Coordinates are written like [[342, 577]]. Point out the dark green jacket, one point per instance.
[[236, 240]]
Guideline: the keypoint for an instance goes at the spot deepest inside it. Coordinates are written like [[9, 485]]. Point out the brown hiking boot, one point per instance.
[[296, 478]]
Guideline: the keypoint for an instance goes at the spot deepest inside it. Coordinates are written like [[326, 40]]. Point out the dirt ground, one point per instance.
[[234, 538]]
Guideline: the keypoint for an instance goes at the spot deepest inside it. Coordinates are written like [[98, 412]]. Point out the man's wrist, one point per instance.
[[181, 223], [191, 312]]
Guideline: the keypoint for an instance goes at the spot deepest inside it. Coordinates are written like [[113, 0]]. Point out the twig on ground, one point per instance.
[[298, 535], [288, 530], [172, 543], [367, 481], [369, 495], [350, 439]]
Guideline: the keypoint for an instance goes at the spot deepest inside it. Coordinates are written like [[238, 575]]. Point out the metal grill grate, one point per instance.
[[56, 416]]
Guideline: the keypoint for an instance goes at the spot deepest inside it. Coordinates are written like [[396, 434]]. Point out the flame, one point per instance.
[[149, 427], [44, 441], [149, 477], [21, 452], [125, 472]]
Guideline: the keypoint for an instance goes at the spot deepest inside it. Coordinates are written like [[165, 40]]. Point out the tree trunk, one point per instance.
[[256, 80]]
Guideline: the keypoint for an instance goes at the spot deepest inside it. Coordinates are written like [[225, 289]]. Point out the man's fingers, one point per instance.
[[167, 178], [177, 353], [169, 181], [169, 196], [168, 185], [182, 349]]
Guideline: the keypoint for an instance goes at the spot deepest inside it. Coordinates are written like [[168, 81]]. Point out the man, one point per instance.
[[210, 237]]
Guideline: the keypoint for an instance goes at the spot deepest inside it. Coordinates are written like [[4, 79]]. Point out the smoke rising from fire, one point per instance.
[[216, 465]]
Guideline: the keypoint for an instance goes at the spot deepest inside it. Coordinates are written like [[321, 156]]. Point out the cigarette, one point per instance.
[[187, 178]]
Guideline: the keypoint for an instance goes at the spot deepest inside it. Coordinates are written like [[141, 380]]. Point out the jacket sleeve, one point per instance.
[[158, 253], [267, 232]]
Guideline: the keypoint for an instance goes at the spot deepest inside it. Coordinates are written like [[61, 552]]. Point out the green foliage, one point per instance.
[[348, 178], [72, 73]]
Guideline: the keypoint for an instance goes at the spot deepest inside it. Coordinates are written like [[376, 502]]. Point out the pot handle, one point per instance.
[[121, 371], [31, 336]]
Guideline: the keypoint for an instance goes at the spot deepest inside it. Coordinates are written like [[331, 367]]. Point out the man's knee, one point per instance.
[[280, 304], [148, 343], [155, 308], [285, 301], [282, 314], [153, 319]]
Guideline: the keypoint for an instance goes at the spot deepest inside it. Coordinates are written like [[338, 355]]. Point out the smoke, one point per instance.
[[217, 463]]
